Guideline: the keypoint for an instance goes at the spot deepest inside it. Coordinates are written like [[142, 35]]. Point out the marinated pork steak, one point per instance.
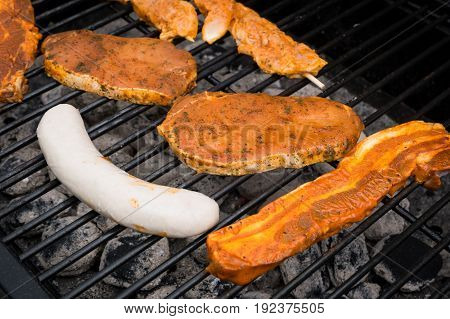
[[138, 70], [237, 134], [18, 45]]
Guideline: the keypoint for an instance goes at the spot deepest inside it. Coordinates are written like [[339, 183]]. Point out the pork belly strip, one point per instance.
[[138, 70], [237, 134], [272, 49], [18, 45], [377, 166]]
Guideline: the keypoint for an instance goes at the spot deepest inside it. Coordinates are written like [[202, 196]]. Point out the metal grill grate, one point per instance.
[[367, 53]]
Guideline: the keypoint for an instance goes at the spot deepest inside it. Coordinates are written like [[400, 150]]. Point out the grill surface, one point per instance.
[[388, 53]]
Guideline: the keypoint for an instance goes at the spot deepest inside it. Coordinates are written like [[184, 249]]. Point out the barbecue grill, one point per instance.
[[391, 54]]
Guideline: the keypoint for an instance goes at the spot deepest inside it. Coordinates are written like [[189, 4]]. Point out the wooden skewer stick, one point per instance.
[[314, 80]]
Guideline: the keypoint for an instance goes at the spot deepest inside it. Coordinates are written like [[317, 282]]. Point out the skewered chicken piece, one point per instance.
[[219, 14], [175, 18], [18, 45], [379, 165], [138, 70], [237, 134]]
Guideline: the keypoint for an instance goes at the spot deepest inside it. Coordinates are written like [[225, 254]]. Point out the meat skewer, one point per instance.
[[138, 70], [379, 165], [272, 49], [237, 134], [18, 46]]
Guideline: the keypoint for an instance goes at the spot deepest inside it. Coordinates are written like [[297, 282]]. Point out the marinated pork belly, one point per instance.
[[379, 165], [175, 18], [138, 70], [18, 45], [237, 134], [219, 14]]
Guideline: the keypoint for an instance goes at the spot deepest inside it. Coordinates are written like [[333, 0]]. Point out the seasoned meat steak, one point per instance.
[[237, 134], [18, 45], [138, 70]]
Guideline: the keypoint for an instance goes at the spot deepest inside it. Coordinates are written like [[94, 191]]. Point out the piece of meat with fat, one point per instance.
[[218, 15], [138, 70], [18, 46], [379, 165], [237, 134], [174, 18]]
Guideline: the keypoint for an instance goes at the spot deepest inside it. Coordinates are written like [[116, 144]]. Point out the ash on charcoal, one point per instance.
[[209, 288], [68, 245], [390, 224], [349, 259], [445, 270], [402, 259], [29, 183], [104, 223], [136, 268], [100, 290], [316, 284], [365, 290], [32, 210]]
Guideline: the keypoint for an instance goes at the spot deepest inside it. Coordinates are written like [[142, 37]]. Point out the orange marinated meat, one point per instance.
[[138, 70], [18, 46], [243, 133], [379, 165], [175, 18]]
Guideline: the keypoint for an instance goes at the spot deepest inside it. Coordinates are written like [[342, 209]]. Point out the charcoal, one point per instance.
[[209, 288], [390, 224], [32, 210], [160, 292], [104, 223], [68, 245], [315, 285], [254, 295], [28, 183], [100, 290], [55, 93], [401, 261], [184, 270], [349, 259], [260, 183], [365, 290], [268, 283], [120, 157], [136, 268], [445, 270]]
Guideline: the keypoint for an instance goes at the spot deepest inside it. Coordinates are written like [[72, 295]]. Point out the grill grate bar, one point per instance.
[[433, 210]]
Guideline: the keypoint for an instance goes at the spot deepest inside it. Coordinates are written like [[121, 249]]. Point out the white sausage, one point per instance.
[[132, 202]]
